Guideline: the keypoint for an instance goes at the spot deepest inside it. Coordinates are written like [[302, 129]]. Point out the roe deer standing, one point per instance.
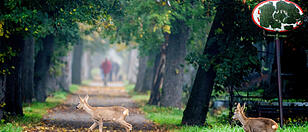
[[99, 114], [254, 124]]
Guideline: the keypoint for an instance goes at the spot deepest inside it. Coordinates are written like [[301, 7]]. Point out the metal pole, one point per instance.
[[279, 79]]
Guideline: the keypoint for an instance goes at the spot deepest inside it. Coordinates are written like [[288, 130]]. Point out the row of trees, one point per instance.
[[216, 36], [36, 40]]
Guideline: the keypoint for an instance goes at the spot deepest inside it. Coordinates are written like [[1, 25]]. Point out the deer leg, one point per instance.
[[127, 126], [93, 126], [130, 126], [100, 126]]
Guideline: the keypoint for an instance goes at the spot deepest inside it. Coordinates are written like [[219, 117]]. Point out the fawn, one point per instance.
[[99, 114], [254, 124]]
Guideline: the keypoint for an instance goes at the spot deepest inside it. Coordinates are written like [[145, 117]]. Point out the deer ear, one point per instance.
[[79, 97], [86, 98], [238, 106], [244, 106]]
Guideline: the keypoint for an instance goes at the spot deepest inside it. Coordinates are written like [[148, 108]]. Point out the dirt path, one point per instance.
[[66, 117]]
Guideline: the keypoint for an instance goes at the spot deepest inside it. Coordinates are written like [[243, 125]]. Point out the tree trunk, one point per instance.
[[148, 78], [42, 65], [27, 69], [65, 79], [2, 94], [52, 83], [159, 71], [2, 83], [57, 82], [86, 65], [77, 63], [132, 70], [141, 73], [175, 56], [14, 80], [198, 102]]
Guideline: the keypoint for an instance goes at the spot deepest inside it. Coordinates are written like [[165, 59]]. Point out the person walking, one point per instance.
[[106, 67], [115, 70]]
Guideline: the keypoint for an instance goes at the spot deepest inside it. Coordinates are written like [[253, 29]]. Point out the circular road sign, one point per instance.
[[277, 15]]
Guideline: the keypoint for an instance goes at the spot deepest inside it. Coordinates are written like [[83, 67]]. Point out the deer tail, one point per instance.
[[275, 127], [126, 112]]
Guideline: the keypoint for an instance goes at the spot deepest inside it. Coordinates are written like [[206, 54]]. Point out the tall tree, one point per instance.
[[77, 63], [15, 80], [159, 72], [198, 102], [27, 64], [149, 72], [225, 60], [141, 73], [175, 56], [42, 65]]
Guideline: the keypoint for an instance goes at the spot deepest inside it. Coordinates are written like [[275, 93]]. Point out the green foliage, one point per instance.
[[148, 23], [60, 18], [236, 56], [10, 128], [5, 56]]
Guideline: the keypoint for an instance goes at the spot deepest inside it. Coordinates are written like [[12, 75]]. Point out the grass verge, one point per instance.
[[139, 98], [34, 112], [170, 118]]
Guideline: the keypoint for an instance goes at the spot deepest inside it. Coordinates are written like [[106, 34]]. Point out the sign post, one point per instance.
[[278, 16], [279, 79]]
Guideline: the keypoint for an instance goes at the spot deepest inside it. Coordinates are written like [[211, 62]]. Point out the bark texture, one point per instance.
[[27, 69], [65, 80], [41, 68], [86, 66], [56, 82], [77, 64], [14, 80], [132, 68], [159, 72], [148, 79], [175, 56], [2, 94], [141, 73]]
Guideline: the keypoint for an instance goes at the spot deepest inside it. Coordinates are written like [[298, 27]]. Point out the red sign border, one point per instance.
[[270, 29]]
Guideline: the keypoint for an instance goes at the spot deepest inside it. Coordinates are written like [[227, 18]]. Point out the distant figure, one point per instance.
[[114, 71], [106, 68]]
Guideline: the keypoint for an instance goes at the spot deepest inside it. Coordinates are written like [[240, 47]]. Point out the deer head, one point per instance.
[[82, 102], [239, 112]]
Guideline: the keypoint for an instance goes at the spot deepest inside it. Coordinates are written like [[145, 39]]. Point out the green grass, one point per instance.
[[140, 98], [73, 88], [162, 115], [170, 118], [34, 112], [86, 82]]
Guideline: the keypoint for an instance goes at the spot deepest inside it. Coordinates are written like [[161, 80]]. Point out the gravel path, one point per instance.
[[66, 116]]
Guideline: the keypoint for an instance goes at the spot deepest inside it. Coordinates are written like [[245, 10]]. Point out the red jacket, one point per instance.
[[106, 66]]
